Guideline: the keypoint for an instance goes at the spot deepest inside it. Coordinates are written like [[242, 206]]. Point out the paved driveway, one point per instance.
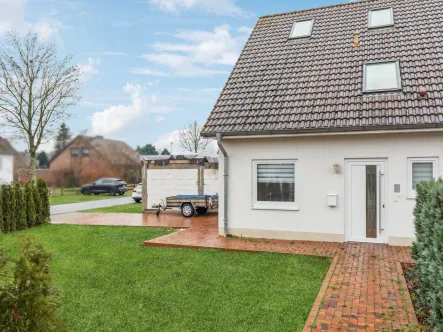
[[74, 207]]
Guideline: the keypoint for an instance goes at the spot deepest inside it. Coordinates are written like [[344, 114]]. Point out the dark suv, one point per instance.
[[109, 186]]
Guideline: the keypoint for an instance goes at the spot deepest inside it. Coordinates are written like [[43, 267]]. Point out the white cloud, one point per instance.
[[12, 17], [160, 118], [200, 53], [117, 118], [218, 7], [115, 53], [89, 69]]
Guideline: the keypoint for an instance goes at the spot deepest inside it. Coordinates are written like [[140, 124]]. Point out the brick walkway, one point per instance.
[[364, 289]]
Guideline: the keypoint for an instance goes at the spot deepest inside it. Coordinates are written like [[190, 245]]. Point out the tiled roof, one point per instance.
[[6, 147], [281, 85]]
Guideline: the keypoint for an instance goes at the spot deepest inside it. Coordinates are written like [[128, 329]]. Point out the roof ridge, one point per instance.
[[315, 8]]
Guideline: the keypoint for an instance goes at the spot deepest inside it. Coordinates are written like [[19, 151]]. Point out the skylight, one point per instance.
[[382, 17], [382, 76], [302, 29]]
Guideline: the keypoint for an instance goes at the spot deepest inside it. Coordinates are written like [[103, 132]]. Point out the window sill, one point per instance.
[[410, 197], [277, 208]]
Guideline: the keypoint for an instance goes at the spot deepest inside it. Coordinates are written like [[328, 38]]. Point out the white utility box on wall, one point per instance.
[[332, 200]]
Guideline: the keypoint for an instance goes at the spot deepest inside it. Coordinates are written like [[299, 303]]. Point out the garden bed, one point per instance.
[[422, 311]]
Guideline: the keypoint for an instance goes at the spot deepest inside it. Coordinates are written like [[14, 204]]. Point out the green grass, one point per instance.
[[111, 283], [67, 199], [127, 208]]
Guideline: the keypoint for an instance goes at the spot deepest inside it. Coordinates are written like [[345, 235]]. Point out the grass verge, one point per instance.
[[127, 208], [109, 282], [76, 198]]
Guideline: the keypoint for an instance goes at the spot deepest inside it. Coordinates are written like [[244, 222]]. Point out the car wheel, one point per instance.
[[112, 192], [87, 191], [187, 210], [137, 200], [96, 194], [202, 210]]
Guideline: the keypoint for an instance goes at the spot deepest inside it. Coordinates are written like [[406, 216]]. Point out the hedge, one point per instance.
[[427, 250], [22, 208]]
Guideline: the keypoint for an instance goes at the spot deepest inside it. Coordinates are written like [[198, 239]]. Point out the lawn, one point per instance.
[[127, 208], [75, 198], [109, 282]]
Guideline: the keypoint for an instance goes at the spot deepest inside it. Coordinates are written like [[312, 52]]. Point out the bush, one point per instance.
[[28, 300], [31, 214], [428, 248], [24, 208], [43, 191], [20, 210]]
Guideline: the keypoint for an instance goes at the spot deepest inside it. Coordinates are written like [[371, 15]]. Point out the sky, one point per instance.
[[148, 66]]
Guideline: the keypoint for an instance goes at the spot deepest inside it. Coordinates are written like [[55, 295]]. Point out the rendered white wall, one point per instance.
[[315, 177], [170, 182], [6, 168]]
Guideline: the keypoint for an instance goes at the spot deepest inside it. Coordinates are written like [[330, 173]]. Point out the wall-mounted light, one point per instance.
[[337, 168]]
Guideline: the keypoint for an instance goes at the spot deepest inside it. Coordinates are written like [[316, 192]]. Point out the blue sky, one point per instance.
[[148, 66]]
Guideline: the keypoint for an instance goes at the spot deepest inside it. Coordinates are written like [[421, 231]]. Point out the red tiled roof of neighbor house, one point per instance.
[[281, 85]]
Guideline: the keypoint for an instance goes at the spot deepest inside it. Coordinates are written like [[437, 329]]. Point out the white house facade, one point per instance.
[[7, 155], [329, 200], [328, 121]]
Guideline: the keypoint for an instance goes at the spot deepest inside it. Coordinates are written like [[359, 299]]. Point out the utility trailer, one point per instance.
[[189, 204]]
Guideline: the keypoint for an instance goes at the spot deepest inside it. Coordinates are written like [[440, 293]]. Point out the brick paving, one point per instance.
[[364, 289]]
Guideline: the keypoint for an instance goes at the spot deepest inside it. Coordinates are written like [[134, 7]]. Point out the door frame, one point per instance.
[[382, 186]]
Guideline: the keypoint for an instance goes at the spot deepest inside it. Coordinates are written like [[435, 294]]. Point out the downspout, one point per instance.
[[225, 183]]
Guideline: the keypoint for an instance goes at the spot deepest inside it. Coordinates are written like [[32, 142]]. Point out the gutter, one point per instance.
[[225, 183]]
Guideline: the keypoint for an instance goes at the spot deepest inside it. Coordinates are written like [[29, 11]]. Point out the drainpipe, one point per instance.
[[225, 182]]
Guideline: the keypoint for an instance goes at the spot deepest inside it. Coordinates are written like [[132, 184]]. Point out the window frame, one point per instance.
[[411, 192], [369, 63], [262, 205], [304, 36], [75, 149], [380, 26]]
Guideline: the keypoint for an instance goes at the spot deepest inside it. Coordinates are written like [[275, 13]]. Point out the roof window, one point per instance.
[[381, 76], [302, 29], [382, 17]]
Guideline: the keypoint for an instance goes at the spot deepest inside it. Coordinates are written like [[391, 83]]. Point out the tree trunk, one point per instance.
[[33, 164]]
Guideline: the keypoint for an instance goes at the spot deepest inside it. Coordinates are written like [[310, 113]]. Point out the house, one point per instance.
[[7, 157], [87, 158], [329, 119], [178, 175]]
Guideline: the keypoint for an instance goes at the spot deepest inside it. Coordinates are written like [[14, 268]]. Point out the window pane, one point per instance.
[[382, 76], [381, 17], [302, 29], [275, 182], [421, 172]]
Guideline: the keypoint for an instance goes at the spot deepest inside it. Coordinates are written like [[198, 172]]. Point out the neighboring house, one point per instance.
[[7, 156], [329, 119], [179, 175], [86, 159]]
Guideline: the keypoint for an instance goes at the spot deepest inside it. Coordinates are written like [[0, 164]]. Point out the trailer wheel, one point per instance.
[[187, 210], [202, 210]]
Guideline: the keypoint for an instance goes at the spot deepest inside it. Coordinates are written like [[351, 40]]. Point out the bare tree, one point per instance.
[[36, 89], [191, 140]]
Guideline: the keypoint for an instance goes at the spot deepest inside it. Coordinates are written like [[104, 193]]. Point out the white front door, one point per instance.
[[365, 201]]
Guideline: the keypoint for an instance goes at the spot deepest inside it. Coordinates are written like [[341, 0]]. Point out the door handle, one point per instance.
[[380, 205]]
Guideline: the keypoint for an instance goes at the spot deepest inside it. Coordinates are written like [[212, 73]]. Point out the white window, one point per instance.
[[382, 17], [274, 184], [420, 169], [381, 76], [75, 152], [302, 29], [85, 151]]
